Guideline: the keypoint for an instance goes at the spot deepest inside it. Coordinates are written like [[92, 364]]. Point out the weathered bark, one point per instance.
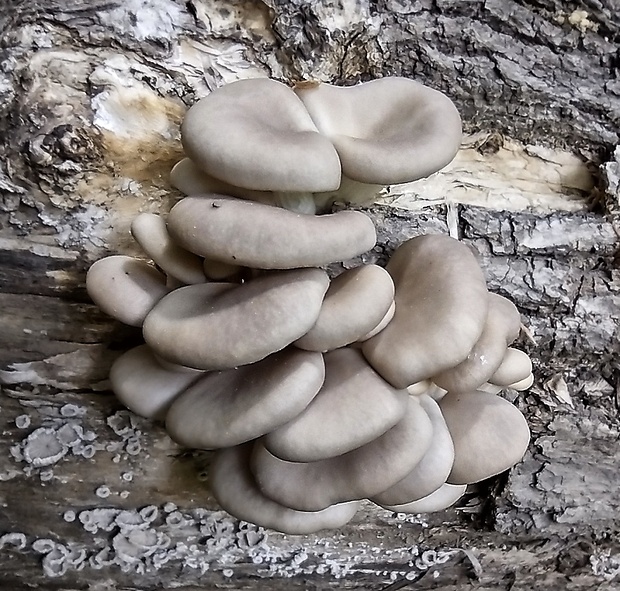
[[91, 97]]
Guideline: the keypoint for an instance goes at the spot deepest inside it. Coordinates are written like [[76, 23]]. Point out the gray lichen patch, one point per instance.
[[43, 447], [147, 539]]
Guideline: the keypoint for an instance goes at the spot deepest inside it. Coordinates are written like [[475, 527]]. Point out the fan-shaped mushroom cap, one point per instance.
[[219, 326], [125, 288], [382, 324], [516, 366], [267, 237], [490, 435], [146, 387], [501, 328], [354, 406], [234, 488], [229, 407], [355, 303], [441, 307], [432, 470], [442, 498], [189, 179], [257, 134], [357, 474], [149, 231], [387, 131]]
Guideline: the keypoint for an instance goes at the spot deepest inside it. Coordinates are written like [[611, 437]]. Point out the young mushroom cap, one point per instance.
[[358, 474], [441, 307], [149, 231], [229, 407], [216, 326], [501, 328], [355, 303], [490, 435], [234, 488], [145, 386], [433, 469], [442, 498], [523, 384], [387, 131], [267, 237], [516, 366], [189, 179], [257, 134], [354, 406], [125, 288]]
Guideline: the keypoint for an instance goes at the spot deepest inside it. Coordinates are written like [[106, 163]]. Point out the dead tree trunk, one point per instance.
[[92, 93]]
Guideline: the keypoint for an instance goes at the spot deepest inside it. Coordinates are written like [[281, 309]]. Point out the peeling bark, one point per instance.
[[91, 96]]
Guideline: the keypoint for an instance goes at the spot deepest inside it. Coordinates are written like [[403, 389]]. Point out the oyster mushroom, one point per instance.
[[433, 469], [358, 474], [441, 308], [442, 498], [149, 231], [125, 288], [257, 134], [355, 303], [501, 328], [215, 326], [516, 366], [147, 387], [267, 237], [386, 131], [354, 406], [230, 407], [490, 435], [233, 486]]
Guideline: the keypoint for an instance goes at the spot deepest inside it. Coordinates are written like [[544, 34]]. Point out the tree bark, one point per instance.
[[92, 94]]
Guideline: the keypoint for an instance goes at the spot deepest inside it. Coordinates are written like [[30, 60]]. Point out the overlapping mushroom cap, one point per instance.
[[387, 131], [257, 134], [441, 308]]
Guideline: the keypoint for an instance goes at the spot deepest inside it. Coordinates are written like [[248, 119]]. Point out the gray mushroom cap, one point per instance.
[[214, 326], [355, 303], [441, 307], [358, 474], [234, 488], [267, 237], [149, 231], [442, 498], [257, 134], [501, 328], [387, 131], [233, 406], [189, 179], [490, 435], [354, 406], [433, 469], [145, 386], [515, 367], [125, 288]]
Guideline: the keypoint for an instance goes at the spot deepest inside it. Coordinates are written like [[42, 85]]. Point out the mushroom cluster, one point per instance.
[[380, 383]]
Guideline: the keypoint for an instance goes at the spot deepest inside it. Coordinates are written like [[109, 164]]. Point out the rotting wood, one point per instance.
[[92, 93]]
